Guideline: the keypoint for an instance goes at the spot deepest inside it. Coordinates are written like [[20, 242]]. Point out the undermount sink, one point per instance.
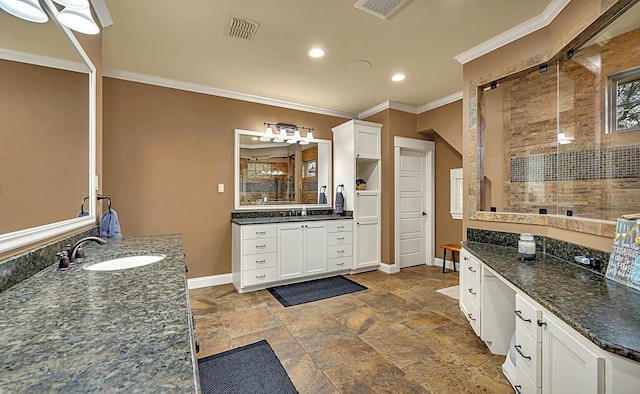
[[123, 263]]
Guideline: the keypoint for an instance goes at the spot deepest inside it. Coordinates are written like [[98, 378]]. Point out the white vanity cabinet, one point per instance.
[[265, 255], [357, 156], [470, 289], [302, 249], [339, 245]]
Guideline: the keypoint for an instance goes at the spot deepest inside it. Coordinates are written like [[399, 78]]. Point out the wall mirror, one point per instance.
[[47, 123], [272, 175], [565, 137]]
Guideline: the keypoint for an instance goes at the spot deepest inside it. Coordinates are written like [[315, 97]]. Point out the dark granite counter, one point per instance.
[[287, 219], [88, 331], [605, 312]]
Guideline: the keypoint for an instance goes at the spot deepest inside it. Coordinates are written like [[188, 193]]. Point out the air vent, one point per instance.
[[240, 27], [383, 9]]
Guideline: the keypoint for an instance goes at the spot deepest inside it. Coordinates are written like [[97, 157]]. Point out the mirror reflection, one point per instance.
[[566, 138], [44, 121], [275, 175]]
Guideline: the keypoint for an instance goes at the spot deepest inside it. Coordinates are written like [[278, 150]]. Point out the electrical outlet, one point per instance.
[[220, 187]]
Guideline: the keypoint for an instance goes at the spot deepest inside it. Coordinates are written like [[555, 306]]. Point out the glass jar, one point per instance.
[[526, 247]]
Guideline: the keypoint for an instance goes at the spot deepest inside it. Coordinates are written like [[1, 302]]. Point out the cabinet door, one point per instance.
[[367, 206], [290, 250], [315, 248], [567, 365], [368, 142], [368, 244]]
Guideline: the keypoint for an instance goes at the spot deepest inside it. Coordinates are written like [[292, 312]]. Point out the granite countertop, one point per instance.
[[288, 219], [89, 331], [604, 311]]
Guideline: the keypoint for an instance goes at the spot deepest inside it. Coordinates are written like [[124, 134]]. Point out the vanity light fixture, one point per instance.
[[79, 19], [284, 136], [29, 10]]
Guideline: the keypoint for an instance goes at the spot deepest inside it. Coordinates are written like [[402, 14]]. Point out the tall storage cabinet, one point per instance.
[[356, 146]]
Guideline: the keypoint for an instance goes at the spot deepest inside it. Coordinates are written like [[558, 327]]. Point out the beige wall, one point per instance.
[[165, 151], [446, 123], [534, 49]]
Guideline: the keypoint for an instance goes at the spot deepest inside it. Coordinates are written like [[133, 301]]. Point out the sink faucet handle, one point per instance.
[[63, 262]]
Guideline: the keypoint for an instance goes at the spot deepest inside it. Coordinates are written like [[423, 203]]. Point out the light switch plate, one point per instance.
[[220, 187]]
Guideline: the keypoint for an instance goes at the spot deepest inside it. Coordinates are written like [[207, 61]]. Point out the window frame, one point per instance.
[[613, 81]]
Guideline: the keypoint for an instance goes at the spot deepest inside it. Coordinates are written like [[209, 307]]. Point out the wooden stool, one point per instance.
[[453, 248]]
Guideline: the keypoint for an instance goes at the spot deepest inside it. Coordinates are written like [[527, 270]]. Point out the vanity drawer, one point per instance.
[[254, 277], [473, 315], [336, 251], [258, 261], [336, 226], [472, 292], [527, 316], [339, 238], [528, 356], [524, 385], [472, 269], [339, 263], [253, 246], [257, 232]]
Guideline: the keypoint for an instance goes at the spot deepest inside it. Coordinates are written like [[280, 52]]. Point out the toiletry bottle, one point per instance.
[[526, 247]]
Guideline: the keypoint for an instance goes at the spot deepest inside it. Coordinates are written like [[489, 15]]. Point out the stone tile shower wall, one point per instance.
[[597, 174]]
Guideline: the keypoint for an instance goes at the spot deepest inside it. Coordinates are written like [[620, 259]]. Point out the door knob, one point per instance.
[[424, 214]]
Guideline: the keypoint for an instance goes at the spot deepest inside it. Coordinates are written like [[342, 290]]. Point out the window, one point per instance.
[[259, 170], [624, 104]]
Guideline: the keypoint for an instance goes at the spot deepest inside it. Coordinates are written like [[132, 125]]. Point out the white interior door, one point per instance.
[[413, 208]]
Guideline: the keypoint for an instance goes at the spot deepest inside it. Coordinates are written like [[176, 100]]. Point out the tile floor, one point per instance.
[[399, 336]]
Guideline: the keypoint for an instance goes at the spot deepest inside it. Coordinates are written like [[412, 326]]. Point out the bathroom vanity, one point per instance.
[[99, 331], [278, 250], [575, 331]]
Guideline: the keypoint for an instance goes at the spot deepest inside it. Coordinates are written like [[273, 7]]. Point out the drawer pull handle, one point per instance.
[[339, 251], [260, 232], [340, 264], [339, 226], [466, 258], [472, 292], [261, 276], [518, 347], [471, 316], [340, 239], [261, 246], [541, 323], [261, 261], [471, 269], [519, 314], [518, 387]]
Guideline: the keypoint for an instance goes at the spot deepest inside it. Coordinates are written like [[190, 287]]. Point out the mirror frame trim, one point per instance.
[[16, 239], [236, 176]]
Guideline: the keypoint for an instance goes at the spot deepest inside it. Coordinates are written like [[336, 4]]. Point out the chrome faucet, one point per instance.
[[74, 249]]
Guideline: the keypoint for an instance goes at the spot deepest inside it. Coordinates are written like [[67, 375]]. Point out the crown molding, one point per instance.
[[536, 23], [440, 102], [102, 12], [191, 87], [387, 105]]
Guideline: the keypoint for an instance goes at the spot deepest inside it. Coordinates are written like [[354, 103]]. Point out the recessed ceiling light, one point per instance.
[[315, 52], [398, 77]]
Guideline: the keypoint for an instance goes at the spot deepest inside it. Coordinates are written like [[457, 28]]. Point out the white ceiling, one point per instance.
[[184, 41]]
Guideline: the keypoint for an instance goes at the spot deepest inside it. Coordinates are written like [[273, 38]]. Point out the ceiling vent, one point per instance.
[[240, 27], [383, 9]]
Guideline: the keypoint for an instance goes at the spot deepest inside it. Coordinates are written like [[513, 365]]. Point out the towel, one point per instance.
[[322, 198], [339, 202], [83, 213], [110, 225]]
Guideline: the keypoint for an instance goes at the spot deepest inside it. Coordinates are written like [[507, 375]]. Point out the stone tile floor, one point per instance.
[[399, 336]]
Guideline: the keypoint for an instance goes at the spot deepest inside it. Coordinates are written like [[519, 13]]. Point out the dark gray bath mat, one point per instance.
[[251, 369], [314, 290]]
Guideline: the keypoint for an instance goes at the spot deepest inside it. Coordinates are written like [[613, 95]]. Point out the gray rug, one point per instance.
[[251, 369], [314, 290]]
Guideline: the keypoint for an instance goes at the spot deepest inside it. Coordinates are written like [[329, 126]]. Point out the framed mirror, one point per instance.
[[564, 138], [47, 122], [272, 175]]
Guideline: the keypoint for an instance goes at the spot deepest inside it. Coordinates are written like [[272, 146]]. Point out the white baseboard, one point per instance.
[[387, 268], [448, 265], [206, 281]]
